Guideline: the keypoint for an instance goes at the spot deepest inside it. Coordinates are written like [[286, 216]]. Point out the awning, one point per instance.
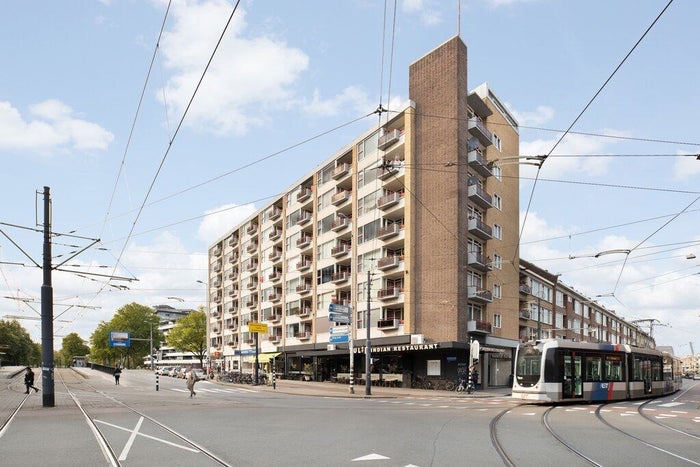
[[263, 357]]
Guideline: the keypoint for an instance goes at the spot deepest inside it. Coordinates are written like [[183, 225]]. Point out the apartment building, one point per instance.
[[412, 227], [550, 308]]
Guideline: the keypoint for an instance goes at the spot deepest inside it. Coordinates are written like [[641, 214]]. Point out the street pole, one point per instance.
[[255, 370], [352, 355], [368, 345], [539, 318], [47, 383]]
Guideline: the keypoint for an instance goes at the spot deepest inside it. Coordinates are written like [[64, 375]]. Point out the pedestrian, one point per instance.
[[117, 374], [29, 380], [475, 378], [191, 379]]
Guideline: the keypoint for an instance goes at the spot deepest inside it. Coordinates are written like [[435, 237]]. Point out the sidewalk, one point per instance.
[[328, 389]]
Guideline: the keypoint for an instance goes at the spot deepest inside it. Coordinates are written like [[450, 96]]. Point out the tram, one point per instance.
[[562, 370]]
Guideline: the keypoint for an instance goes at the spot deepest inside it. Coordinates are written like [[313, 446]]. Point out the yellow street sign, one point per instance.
[[257, 327]]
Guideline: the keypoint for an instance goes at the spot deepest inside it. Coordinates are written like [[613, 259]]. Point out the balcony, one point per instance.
[[252, 228], [275, 255], [389, 138], [274, 297], [524, 314], [525, 289], [217, 250], [252, 247], [303, 288], [479, 229], [216, 298], [477, 129], [388, 231], [304, 194], [303, 265], [217, 266], [388, 262], [387, 171], [274, 213], [478, 261], [273, 339], [304, 217], [252, 266], [274, 234], [388, 200], [233, 275], [252, 303], [478, 196], [233, 257], [340, 171], [304, 241], [341, 276], [303, 336], [304, 312], [340, 250], [233, 241], [233, 310], [479, 327], [232, 292], [275, 275], [232, 326], [389, 294], [274, 318], [479, 295], [388, 324], [340, 197], [476, 161], [252, 284], [339, 223]]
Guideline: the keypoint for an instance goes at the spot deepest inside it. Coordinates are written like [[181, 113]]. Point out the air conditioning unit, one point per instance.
[[416, 339]]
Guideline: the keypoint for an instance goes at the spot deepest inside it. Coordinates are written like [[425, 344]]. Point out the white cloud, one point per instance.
[[53, 127], [220, 220], [541, 115], [425, 9], [248, 78], [351, 97], [686, 167]]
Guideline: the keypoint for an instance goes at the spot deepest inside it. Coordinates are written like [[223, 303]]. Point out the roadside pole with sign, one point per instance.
[[340, 334], [256, 328], [473, 361]]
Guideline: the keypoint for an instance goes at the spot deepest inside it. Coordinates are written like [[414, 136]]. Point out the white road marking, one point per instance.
[[149, 437], [371, 457]]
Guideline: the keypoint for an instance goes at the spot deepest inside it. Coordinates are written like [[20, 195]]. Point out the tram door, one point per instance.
[[572, 385]]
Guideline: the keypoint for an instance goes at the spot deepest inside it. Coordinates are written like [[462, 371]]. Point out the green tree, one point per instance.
[[139, 321], [72, 346], [190, 334], [17, 345]]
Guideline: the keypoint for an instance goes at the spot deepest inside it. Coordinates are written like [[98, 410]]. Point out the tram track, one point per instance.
[[640, 409], [107, 449]]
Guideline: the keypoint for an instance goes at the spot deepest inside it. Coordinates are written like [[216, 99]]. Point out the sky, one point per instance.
[[145, 151]]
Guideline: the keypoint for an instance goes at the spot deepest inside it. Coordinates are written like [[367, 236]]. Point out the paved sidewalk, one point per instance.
[[327, 389]]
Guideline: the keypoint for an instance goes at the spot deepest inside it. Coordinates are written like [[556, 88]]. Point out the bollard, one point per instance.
[[156, 382], [274, 379], [352, 384]]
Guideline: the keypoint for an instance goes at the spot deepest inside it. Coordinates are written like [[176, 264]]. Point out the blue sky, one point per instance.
[[286, 72]]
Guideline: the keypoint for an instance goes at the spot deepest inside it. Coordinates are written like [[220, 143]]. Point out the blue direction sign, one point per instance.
[[335, 308], [339, 330], [339, 318], [338, 339]]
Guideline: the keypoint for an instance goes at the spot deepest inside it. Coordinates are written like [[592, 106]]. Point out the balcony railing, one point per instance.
[[388, 200], [340, 171], [477, 128], [478, 261], [274, 318], [274, 213], [388, 231], [303, 265], [304, 241], [217, 251], [303, 288], [233, 241], [388, 294], [479, 229], [275, 255], [479, 295], [385, 172], [274, 234], [389, 262], [304, 194], [340, 197], [525, 314], [303, 336], [479, 327], [388, 324], [477, 161], [252, 228], [341, 276], [252, 266], [525, 289], [340, 250], [389, 138], [339, 223], [273, 339], [478, 196], [252, 247]]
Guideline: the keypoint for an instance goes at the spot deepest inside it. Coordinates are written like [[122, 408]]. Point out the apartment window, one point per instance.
[[496, 320], [367, 176], [497, 291], [497, 202], [474, 312], [326, 174], [497, 262], [496, 141], [496, 171], [560, 298], [368, 203], [497, 232]]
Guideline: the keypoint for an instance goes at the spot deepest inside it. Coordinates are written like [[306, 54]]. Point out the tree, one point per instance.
[[139, 321], [190, 334], [73, 346], [17, 345]]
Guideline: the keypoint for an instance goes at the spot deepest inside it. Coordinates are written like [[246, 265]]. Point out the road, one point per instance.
[[321, 424]]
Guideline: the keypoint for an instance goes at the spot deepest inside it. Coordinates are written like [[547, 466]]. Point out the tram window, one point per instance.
[[637, 372], [594, 368], [656, 370], [613, 368]]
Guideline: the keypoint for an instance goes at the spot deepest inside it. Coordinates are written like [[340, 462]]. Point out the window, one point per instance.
[[497, 262], [496, 141], [496, 171], [613, 368], [496, 320], [497, 202], [496, 291], [497, 232]]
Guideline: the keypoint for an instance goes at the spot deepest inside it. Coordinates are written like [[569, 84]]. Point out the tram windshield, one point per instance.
[[528, 365]]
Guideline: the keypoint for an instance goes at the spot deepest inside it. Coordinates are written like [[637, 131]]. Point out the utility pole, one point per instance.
[[368, 344], [47, 364]]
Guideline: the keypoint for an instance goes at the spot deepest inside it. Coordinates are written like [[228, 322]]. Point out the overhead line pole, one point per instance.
[[47, 364]]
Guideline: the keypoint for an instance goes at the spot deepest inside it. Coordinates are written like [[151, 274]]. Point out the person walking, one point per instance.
[[191, 379], [29, 380], [117, 374]]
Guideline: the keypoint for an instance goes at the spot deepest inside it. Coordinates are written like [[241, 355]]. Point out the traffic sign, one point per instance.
[[339, 318], [335, 308], [339, 330], [257, 327], [338, 339]]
